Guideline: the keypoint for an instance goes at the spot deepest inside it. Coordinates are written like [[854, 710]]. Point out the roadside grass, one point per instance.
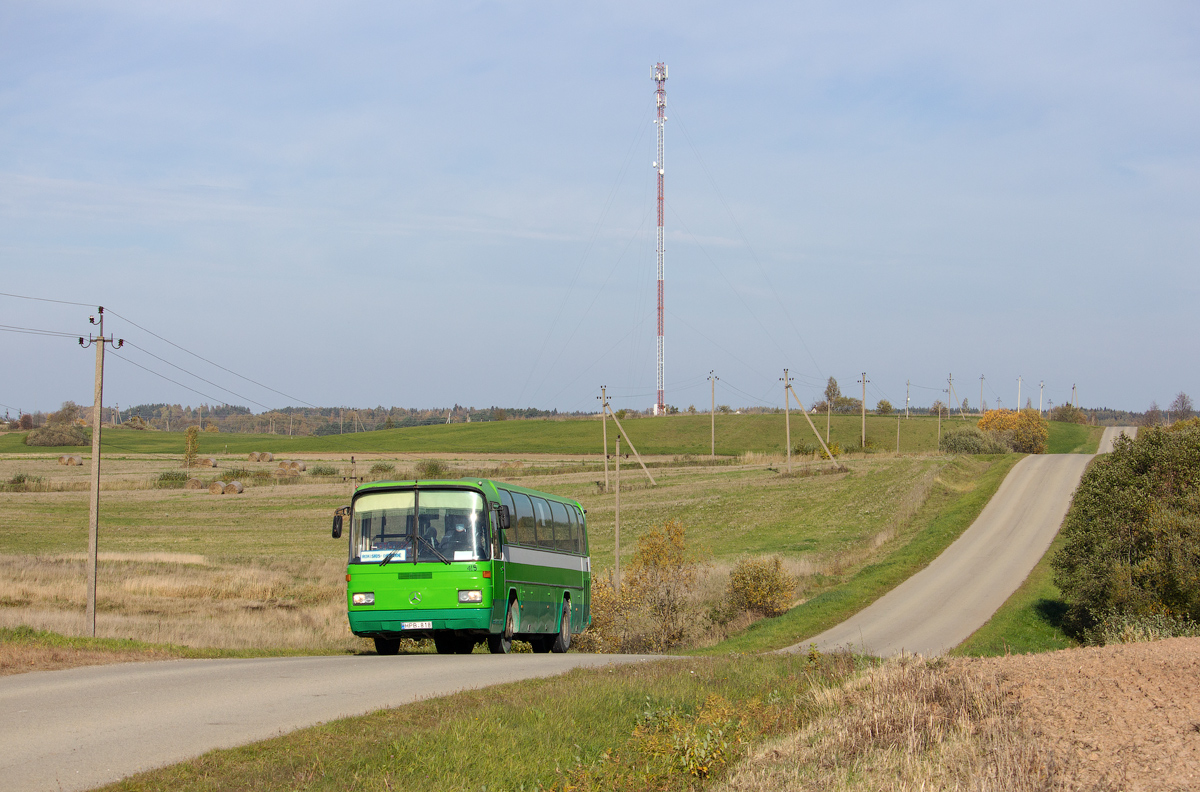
[[1071, 438], [630, 727], [24, 649], [1029, 621], [672, 435], [966, 487]]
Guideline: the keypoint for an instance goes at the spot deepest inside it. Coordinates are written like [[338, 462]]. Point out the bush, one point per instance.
[[172, 479], [835, 448], [22, 482], [324, 470], [970, 440], [387, 469], [1127, 628], [1132, 535], [884, 407], [760, 585], [57, 435], [1068, 413], [431, 469], [1029, 429]]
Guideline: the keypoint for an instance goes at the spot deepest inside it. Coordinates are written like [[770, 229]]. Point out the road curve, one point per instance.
[[84, 727], [1111, 434], [940, 606]]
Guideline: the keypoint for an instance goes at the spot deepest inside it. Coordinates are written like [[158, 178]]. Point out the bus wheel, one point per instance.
[[498, 644], [387, 646], [465, 645], [445, 644], [562, 641]]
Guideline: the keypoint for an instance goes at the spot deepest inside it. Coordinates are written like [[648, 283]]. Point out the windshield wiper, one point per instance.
[[388, 558], [434, 549]]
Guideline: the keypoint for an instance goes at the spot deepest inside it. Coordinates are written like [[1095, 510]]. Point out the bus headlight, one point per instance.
[[363, 598], [472, 595]]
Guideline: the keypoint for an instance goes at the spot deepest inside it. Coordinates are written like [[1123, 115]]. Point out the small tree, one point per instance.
[[191, 446], [938, 408], [1029, 430], [26, 422], [884, 407], [832, 391], [1152, 416], [1181, 409], [663, 576], [66, 416]]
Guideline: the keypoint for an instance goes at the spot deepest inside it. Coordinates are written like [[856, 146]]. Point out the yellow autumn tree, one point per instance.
[[1027, 429]]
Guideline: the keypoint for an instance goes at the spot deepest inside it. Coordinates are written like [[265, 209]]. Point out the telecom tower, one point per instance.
[[659, 74]]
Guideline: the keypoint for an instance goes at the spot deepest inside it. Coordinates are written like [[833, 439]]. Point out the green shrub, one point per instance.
[[22, 482], [326, 470], [884, 407], [432, 469], [1132, 535], [172, 479], [1029, 429], [191, 446], [760, 585], [58, 435], [970, 440], [386, 469], [1129, 628], [237, 474], [1068, 413]]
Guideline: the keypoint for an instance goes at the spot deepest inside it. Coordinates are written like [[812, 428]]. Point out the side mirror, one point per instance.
[[505, 519], [337, 521]]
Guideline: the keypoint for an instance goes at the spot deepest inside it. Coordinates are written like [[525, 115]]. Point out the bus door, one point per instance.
[[499, 576]]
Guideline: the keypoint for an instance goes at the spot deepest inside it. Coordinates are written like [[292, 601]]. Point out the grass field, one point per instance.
[[673, 435]]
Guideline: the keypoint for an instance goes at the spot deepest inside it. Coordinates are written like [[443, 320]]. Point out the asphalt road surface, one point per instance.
[[83, 727], [940, 606], [1112, 433]]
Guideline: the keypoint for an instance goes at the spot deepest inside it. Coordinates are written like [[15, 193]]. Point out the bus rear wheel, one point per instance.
[[387, 646], [562, 641], [498, 644]]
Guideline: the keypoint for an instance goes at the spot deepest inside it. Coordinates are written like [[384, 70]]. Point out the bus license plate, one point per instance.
[[416, 625]]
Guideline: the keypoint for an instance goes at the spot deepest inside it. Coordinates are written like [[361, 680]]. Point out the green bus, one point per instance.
[[465, 561]]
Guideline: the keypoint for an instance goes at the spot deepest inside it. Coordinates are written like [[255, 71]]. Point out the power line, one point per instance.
[[45, 299], [35, 331], [197, 376], [168, 379], [209, 362]]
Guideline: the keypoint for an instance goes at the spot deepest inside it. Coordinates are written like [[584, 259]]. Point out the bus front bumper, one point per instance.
[[392, 622]]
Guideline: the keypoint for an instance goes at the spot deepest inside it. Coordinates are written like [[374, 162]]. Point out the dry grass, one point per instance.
[[909, 724], [183, 599]]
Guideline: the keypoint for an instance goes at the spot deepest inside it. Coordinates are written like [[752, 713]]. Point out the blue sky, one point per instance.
[[425, 204]]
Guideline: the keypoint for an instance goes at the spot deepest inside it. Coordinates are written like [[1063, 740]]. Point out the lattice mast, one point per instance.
[[660, 78]]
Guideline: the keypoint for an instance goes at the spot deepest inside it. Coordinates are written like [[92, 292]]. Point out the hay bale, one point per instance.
[[207, 462], [76, 461], [253, 456], [284, 472], [62, 460], [234, 488], [266, 456], [297, 465], [217, 488], [194, 484]]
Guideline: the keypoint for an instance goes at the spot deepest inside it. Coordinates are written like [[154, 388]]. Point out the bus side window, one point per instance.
[[573, 531], [545, 524], [562, 527], [526, 534], [581, 537]]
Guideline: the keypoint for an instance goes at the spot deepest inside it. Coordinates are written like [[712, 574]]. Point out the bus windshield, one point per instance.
[[451, 525]]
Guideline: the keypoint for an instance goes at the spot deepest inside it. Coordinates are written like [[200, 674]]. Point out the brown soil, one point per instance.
[[1116, 717]]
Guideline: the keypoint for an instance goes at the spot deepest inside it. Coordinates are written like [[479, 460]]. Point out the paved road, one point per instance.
[[83, 727], [1112, 433], [940, 606]]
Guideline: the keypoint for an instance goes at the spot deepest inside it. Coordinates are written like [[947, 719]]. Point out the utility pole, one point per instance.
[[1018, 394], [907, 398], [712, 414], [659, 74], [897, 434], [787, 415], [1074, 397], [604, 425], [828, 413], [201, 407], [864, 382], [981, 394], [1041, 389], [617, 529], [94, 504], [951, 396]]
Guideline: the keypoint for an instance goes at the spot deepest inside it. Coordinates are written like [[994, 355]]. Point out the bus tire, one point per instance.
[[387, 646], [562, 641], [464, 645], [498, 644]]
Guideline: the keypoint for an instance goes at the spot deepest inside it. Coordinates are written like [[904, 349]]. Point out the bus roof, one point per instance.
[[489, 487]]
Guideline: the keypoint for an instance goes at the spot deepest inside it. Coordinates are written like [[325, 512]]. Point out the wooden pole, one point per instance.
[[897, 434], [604, 424], [800, 406], [712, 414], [787, 417], [617, 530], [94, 500]]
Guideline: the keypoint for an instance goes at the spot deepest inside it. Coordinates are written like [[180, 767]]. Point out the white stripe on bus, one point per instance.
[[526, 555]]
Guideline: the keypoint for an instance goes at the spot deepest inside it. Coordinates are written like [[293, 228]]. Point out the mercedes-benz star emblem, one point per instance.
[[414, 598]]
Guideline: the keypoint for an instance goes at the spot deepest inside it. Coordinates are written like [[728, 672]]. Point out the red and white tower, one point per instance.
[[660, 78]]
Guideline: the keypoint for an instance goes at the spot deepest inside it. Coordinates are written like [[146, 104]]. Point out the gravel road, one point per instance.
[[83, 727]]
